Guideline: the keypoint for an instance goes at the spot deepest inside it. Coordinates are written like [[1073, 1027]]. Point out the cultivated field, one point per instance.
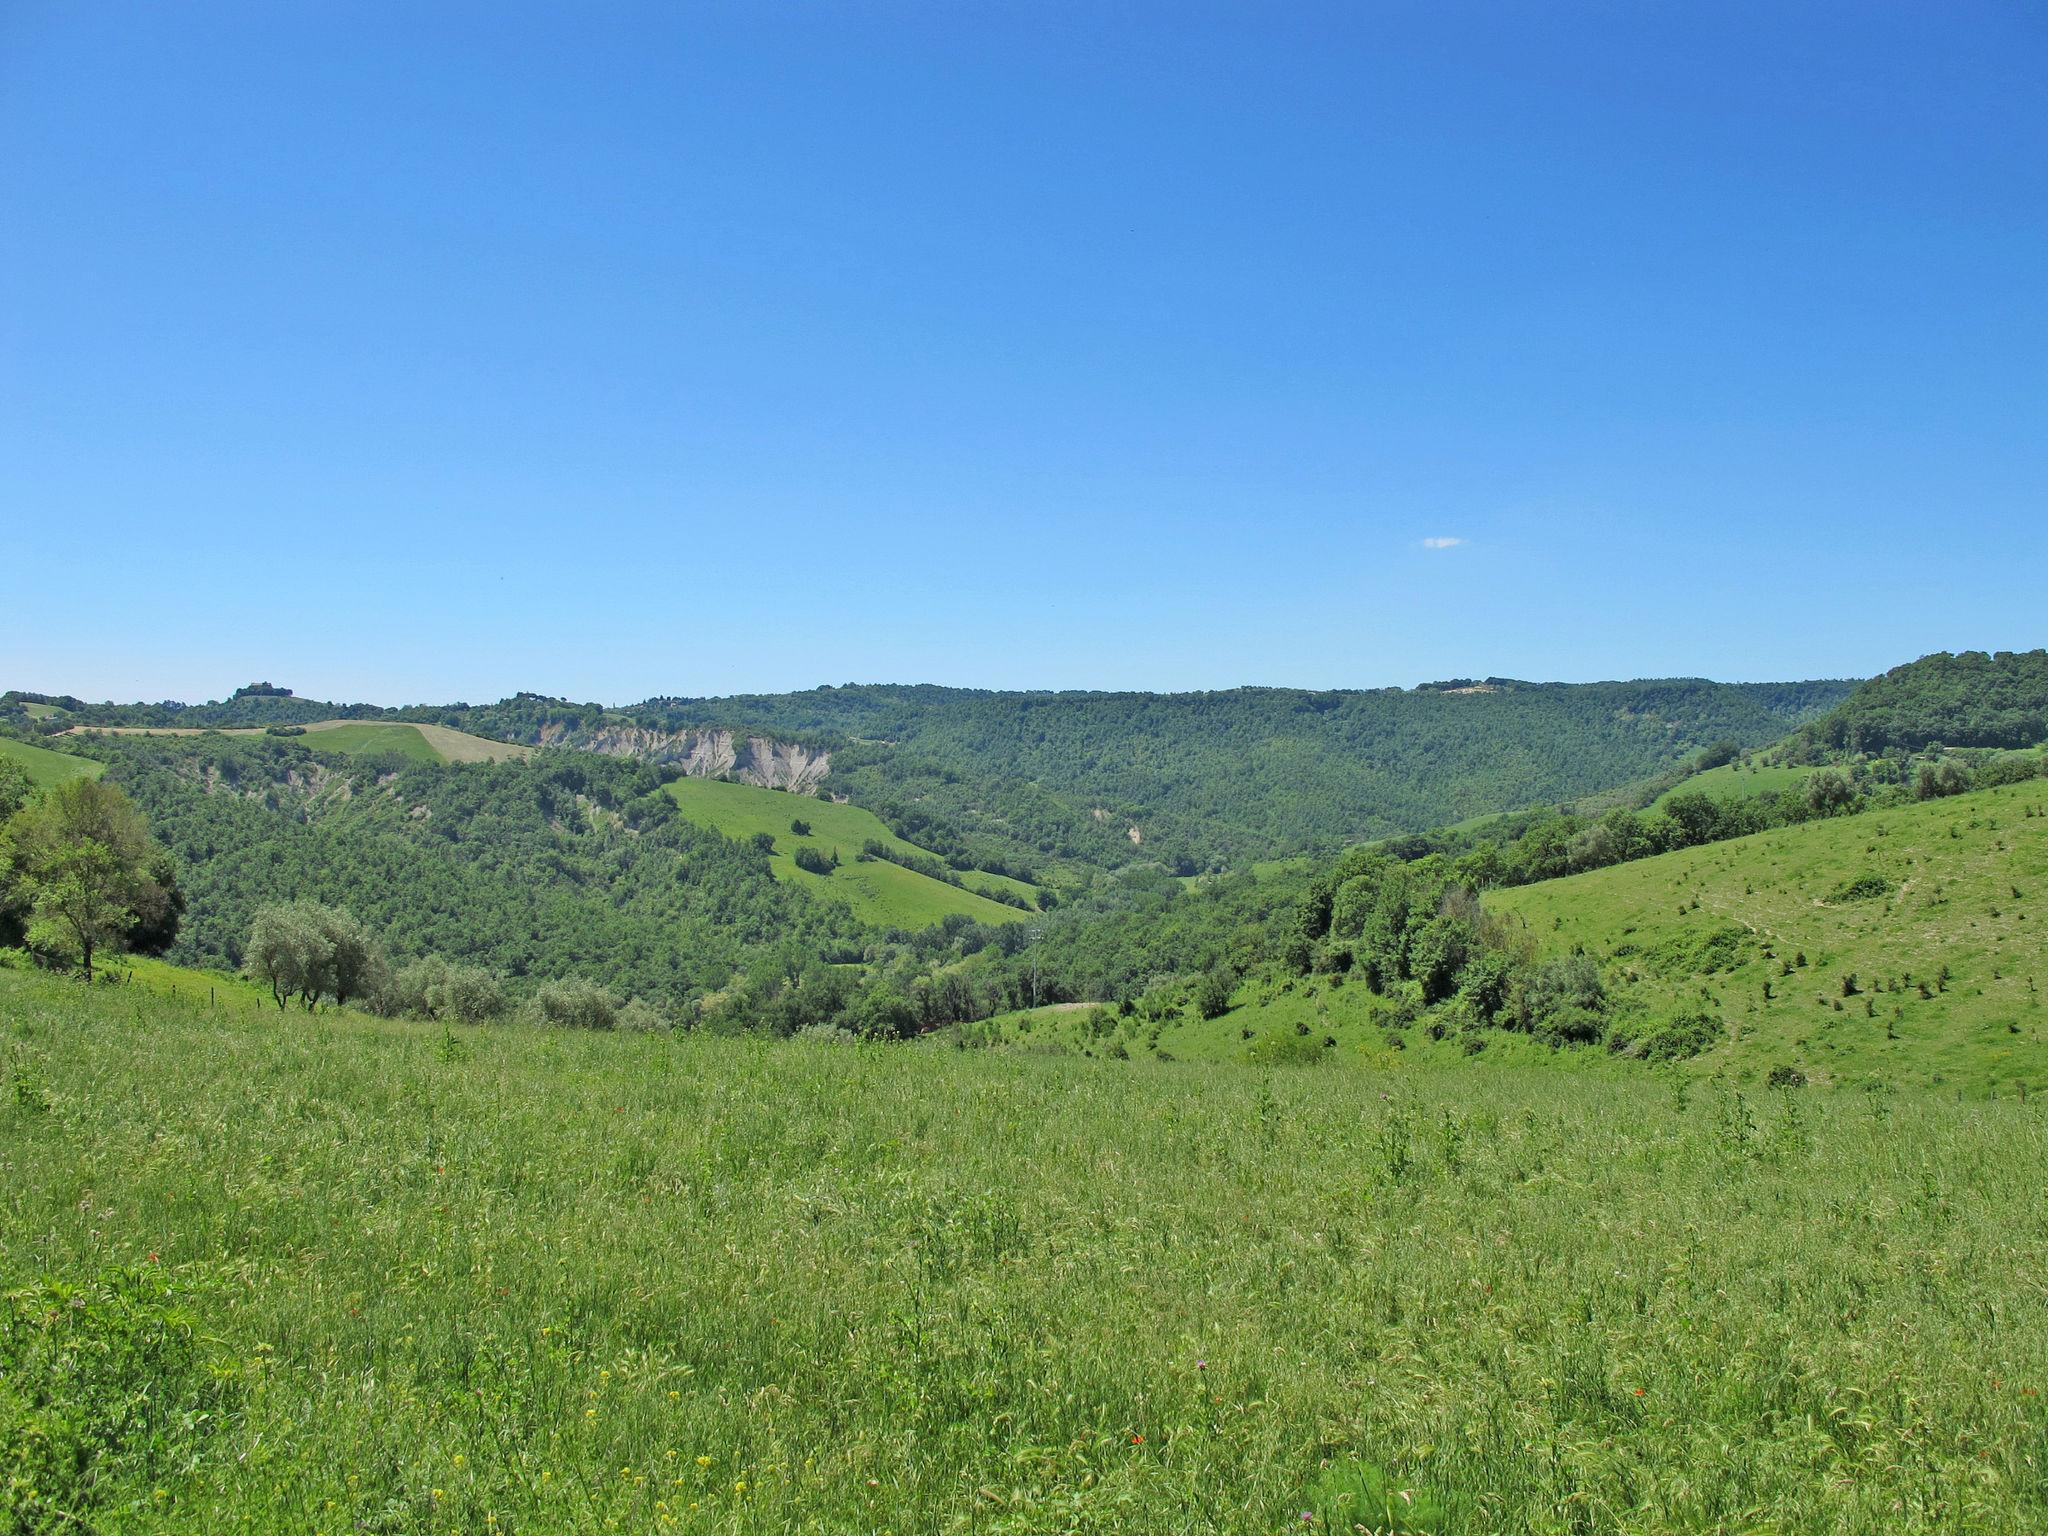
[[421, 743], [327, 1274]]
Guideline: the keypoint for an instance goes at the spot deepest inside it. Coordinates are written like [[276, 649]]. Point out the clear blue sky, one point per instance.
[[412, 351]]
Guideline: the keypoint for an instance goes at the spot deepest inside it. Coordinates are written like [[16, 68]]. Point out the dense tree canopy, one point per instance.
[[1968, 699]]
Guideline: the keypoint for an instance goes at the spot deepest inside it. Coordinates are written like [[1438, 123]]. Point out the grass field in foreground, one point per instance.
[[278, 1273], [45, 767], [879, 892]]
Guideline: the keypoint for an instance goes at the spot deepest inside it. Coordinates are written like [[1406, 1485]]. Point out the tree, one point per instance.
[[287, 951], [304, 950], [80, 859], [15, 788], [1828, 791], [1212, 993]]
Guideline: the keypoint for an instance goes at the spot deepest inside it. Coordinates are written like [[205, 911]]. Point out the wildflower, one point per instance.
[[1201, 1365], [740, 1486], [1137, 1439], [1639, 1391], [460, 1459], [437, 1493], [703, 1461]]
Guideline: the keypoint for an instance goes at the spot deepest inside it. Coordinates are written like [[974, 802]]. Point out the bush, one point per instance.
[[816, 862], [1675, 1039], [1866, 887], [641, 1017], [1212, 993], [1278, 1049], [1562, 1000], [573, 1004]]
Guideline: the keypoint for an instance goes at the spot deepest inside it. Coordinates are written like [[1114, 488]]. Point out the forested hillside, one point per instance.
[[1199, 781], [567, 864], [1970, 699], [1206, 780]]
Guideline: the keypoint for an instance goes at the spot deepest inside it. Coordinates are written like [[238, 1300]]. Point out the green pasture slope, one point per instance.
[[278, 1272], [366, 738], [1736, 781], [45, 767], [879, 892], [1845, 920], [1948, 895]]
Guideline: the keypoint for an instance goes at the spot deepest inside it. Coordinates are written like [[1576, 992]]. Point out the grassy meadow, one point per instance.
[[1906, 944], [878, 891], [1736, 781], [331, 1274], [1901, 946], [45, 767]]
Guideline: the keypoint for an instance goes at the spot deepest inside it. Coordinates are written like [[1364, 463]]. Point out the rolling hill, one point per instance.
[[1906, 944], [1903, 946]]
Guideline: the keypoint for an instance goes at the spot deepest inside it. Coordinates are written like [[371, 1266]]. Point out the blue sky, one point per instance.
[[427, 352]]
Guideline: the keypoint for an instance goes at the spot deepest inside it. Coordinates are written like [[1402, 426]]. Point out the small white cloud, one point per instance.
[[1441, 543]]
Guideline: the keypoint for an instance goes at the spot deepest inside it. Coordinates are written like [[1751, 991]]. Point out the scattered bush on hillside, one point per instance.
[[2013, 768], [800, 827], [1674, 1039], [1934, 781], [1865, 887], [1562, 1001], [816, 861], [1212, 993], [638, 1016]]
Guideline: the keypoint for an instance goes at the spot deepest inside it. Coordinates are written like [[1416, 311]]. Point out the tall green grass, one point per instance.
[[328, 1274]]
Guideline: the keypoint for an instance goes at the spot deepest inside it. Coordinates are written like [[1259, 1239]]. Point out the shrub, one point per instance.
[[1279, 1049], [573, 1004], [815, 861], [1674, 1039], [1865, 887], [642, 1017]]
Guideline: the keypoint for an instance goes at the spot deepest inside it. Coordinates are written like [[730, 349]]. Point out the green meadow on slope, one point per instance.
[[877, 890], [1907, 944], [1736, 781], [45, 767], [322, 1273]]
